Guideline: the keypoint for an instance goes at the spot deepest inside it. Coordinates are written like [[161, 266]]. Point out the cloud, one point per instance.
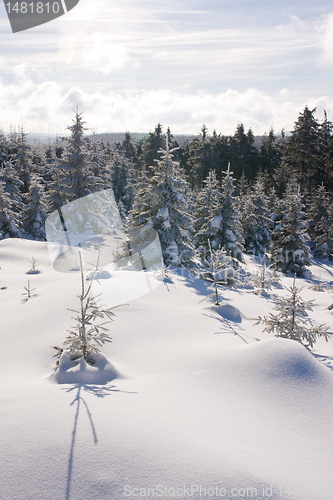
[[326, 30], [131, 64], [49, 107], [103, 54], [147, 48]]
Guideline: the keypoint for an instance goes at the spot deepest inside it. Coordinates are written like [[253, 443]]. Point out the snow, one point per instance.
[[163, 212], [216, 221], [230, 234], [190, 400], [70, 372]]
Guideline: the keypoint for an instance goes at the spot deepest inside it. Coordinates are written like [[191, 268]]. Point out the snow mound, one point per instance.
[[80, 372], [100, 275], [229, 313], [286, 361]]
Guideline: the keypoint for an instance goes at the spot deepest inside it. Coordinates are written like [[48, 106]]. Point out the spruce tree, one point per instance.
[[9, 221], [218, 269], [151, 151], [58, 193], [36, 212], [21, 157], [85, 339], [320, 226], [80, 179], [289, 238], [172, 143], [163, 204], [123, 179], [292, 321], [96, 160], [243, 154], [269, 155], [256, 221], [140, 212], [200, 158], [12, 185], [208, 221], [263, 278], [302, 150], [3, 148], [325, 174], [128, 148], [231, 228]]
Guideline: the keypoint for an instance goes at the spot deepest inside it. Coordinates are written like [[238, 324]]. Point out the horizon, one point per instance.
[[43, 138]]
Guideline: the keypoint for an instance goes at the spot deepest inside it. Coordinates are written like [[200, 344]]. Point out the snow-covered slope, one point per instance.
[[202, 403]]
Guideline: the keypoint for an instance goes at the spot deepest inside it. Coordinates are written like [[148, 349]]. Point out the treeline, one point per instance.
[[277, 196]]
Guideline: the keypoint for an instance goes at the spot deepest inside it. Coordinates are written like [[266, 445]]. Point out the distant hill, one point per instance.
[[113, 137]]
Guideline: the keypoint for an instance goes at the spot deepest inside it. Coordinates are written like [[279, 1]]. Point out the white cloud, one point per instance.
[[48, 107], [104, 55], [327, 41], [129, 65], [100, 39]]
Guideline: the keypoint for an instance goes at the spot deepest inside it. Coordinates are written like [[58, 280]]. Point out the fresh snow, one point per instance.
[[190, 400], [216, 221]]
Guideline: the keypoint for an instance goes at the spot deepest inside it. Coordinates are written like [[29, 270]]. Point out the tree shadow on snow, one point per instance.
[[98, 391], [168, 281], [326, 360], [324, 264], [228, 326]]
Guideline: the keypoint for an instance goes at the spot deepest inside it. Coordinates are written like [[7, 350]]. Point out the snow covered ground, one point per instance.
[[202, 403]]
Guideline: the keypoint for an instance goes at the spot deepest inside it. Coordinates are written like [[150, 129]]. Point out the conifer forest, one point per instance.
[[237, 194]]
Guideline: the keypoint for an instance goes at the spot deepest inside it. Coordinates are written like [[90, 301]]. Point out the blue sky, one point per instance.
[[130, 64]]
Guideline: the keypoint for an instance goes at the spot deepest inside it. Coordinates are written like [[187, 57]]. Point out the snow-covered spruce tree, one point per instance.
[[9, 221], [38, 159], [89, 334], [97, 160], [139, 214], [35, 214], [3, 147], [208, 216], [58, 191], [77, 157], [302, 150], [230, 234], [80, 180], [163, 203], [218, 268], [123, 179], [269, 156], [21, 157], [12, 185], [242, 152], [274, 207], [263, 278], [289, 238], [256, 221], [320, 226], [282, 175], [151, 149], [128, 147], [201, 158], [243, 188], [292, 321]]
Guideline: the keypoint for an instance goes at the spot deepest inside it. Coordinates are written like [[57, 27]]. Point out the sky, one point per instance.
[[130, 64]]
